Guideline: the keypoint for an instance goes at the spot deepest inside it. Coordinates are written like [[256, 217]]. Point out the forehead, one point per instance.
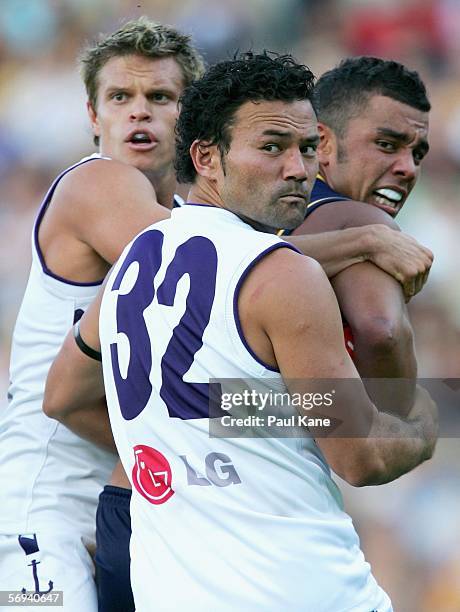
[[128, 69], [295, 117], [382, 112]]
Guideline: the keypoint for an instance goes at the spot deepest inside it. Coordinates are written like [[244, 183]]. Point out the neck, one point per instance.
[[260, 227], [205, 193], [323, 172]]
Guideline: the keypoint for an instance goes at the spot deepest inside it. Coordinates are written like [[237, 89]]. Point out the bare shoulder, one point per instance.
[[97, 208], [284, 297], [101, 180], [287, 262], [284, 277], [342, 214]]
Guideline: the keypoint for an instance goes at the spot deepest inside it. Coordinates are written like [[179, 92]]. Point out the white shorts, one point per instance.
[[49, 561]]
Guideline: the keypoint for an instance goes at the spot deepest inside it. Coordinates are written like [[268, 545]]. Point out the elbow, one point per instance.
[[364, 469], [52, 407], [367, 476], [383, 334], [50, 410]]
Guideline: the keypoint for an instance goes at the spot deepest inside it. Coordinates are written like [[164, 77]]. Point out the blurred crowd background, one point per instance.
[[410, 529]]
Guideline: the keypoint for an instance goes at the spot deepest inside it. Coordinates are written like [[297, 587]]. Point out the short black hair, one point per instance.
[[208, 105], [341, 93]]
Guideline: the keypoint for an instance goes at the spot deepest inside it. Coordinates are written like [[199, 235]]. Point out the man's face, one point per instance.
[[136, 111], [378, 159], [268, 173]]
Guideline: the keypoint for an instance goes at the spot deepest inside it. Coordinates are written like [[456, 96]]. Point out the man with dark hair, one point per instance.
[[373, 124], [112, 554], [244, 523]]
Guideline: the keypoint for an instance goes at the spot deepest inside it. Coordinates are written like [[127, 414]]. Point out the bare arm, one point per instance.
[[96, 210], [296, 323], [396, 253], [74, 393], [372, 303]]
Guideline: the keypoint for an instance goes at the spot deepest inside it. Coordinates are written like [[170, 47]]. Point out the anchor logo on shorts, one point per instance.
[[29, 545], [36, 582]]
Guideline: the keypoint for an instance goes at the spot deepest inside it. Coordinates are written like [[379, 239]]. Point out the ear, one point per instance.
[[206, 159], [327, 144], [93, 118]]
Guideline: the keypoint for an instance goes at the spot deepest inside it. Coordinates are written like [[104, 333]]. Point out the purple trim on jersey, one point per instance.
[[178, 202], [322, 193], [28, 544], [237, 292], [41, 213], [316, 205]]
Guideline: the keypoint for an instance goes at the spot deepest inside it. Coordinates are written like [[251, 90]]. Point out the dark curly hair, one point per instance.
[[341, 93], [208, 106]]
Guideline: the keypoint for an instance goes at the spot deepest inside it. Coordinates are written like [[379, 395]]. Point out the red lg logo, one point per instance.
[[152, 474]]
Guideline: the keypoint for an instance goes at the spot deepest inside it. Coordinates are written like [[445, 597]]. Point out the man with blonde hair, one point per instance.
[[50, 477]]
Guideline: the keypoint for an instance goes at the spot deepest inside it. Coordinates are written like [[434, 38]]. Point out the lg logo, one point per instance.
[[152, 476], [219, 469]]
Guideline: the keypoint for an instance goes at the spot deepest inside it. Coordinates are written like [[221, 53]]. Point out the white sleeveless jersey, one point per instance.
[[218, 524], [47, 473]]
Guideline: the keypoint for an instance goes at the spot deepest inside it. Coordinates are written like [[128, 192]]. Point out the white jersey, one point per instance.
[[47, 473], [218, 524]]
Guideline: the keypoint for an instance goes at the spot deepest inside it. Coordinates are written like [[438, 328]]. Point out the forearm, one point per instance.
[[370, 447], [335, 250], [395, 253], [75, 396], [91, 423]]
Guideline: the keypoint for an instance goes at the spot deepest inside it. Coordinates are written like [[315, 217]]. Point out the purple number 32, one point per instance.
[[196, 257]]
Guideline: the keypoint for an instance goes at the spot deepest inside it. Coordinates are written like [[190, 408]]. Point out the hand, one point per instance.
[[401, 256]]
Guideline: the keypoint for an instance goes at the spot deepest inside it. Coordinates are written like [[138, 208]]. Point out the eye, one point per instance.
[[160, 97], [418, 155], [119, 96], [390, 147], [309, 150], [271, 147]]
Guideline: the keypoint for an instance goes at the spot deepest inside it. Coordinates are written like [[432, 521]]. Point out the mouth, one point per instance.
[[141, 140], [294, 197], [389, 199]]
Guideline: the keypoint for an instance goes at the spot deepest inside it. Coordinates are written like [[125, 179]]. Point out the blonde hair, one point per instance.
[[140, 37]]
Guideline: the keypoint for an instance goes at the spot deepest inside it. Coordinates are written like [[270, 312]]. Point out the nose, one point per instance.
[[294, 166], [140, 110], [405, 166]]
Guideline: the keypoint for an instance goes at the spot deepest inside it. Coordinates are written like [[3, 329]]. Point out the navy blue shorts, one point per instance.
[[113, 532]]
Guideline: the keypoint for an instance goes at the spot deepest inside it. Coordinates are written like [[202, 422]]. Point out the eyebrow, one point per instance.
[[403, 137], [125, 87], [284, 134], [113, 87]]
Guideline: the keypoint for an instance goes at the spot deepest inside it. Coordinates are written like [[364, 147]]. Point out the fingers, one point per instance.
[[409, 290], [420, 279], [405, 259], [425, 277], [414, 285]]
